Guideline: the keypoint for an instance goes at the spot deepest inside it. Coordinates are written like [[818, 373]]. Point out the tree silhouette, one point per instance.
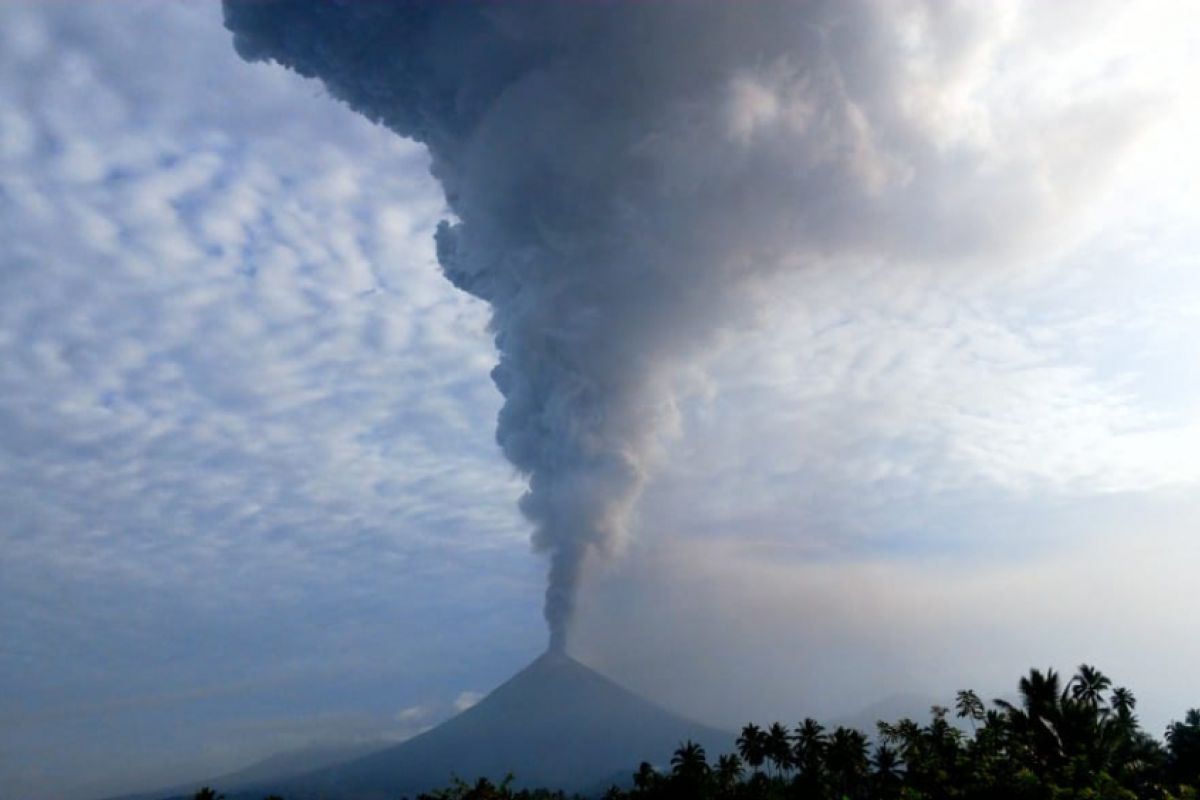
[[1088, 685], [886, 778], [689, 762], [778, 747], [847, 761], [646, 778], [810, 745], [1183, 749], [969, 706], [1034, 724], [752, 746], [729, 772]]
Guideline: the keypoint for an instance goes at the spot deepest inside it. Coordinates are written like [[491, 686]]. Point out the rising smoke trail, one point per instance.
[[626, 175]]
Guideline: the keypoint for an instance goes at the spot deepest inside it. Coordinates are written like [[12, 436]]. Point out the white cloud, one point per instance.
[[466, 699], [203, 323], [412, 714]]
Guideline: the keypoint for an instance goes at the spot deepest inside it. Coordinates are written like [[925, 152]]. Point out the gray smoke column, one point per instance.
[[627, 175]]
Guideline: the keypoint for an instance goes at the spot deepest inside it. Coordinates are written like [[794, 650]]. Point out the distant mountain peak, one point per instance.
[[557, 665], [556, 723], [552, 659]]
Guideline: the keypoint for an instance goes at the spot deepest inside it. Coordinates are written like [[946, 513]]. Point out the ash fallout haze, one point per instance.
[[833, 350]]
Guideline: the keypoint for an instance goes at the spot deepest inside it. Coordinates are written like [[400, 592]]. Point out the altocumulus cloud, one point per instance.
[[231, 377]]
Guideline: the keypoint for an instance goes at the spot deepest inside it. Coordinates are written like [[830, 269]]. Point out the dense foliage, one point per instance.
[[1078, 741]]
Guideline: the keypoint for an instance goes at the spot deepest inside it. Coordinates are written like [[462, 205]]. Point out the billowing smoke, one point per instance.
[[627, 175]]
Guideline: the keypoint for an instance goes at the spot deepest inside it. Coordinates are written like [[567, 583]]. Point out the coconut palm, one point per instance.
[[647, 777], [942, 738], [1088, 685], [1183, 749], [886, 777], [728, 772], [1034, 721], [810, 747], [1040, 694], [847, 760], [1123, 702], [690, 763], [1041, 701], [969, 706], [906, 734], [779, 747], [752, 746]]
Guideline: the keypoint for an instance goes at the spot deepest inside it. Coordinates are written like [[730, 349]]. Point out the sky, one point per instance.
[[252, 497]]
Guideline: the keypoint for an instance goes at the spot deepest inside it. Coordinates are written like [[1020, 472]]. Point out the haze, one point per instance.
[[251, 494]]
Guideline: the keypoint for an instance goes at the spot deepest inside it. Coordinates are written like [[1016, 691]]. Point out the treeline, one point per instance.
[[1057, 743], [1078, 741]]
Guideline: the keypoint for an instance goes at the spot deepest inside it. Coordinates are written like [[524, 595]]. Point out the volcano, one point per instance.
[[556, 723]]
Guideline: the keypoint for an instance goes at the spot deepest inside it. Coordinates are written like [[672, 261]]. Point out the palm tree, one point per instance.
[[886, 778], [646, 777], [1121, 729], [690, 762], [779, 746], [752, 746], [1088, 686], [1183, 749], [1034, 724], [1039, 699], [810, 747], [969, 706], [847, 760], [1040, 695], [1123, 702], [905, 733], [729, 772], [942, 737]]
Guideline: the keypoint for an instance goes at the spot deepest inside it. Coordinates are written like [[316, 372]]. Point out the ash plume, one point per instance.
[[626, 176]]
